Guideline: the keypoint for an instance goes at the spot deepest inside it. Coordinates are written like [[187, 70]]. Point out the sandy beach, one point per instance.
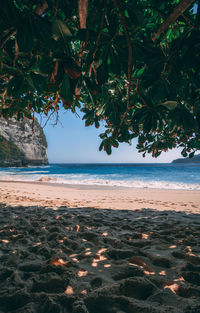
[[88, 249], [102, 197]]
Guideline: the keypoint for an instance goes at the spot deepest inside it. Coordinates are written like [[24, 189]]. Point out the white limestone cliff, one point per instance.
[[22, 145]]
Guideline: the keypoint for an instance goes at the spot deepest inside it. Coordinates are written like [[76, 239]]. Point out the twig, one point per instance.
[[48, 119], [16, 52], [188, 21], [100, 29], [178, 10], [56, 9], [5, 39], [157, 11]]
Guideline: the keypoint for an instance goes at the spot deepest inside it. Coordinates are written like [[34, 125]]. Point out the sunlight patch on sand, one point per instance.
[[99, 257], [37, 244], [69, 290], [62, 240], [82, 273], [145, 236], [58, 262], [84, 292], [5, 241], [136, 261], [173, 287]]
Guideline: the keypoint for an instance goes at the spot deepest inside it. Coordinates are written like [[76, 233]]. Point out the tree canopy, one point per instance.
[[133, 64]]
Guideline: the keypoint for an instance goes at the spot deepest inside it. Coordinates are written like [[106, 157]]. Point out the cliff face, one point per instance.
[[20, 145], [195, 159]]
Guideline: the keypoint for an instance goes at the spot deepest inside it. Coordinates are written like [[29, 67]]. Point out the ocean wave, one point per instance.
[[121, 183], [95, 180], [37, 166], [33, 172]]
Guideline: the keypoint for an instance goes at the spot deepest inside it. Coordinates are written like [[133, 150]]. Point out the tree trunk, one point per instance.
[[83, 11]]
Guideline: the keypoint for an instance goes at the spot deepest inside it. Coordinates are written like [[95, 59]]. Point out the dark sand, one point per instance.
[[86, 260]]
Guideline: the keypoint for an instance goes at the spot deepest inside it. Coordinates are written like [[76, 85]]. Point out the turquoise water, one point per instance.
[[164, 176]]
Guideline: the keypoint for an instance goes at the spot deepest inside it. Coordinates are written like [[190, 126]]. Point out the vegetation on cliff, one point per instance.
[[134, 65], [195, 159], [9, 151]]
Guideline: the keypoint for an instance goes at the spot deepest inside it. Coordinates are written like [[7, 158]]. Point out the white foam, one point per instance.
[[128, 184], [85, 179]]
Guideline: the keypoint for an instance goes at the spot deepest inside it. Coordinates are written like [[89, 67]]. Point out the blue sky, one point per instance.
[[71, 142]]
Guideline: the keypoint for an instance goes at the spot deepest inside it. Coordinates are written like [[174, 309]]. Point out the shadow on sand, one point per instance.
[[93, 261]]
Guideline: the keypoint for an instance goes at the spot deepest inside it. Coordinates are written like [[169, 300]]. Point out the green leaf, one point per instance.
[[140, 72], [103, 135], [102, 73], [170, 104], [42, 31], [65, 91], [181, 116], [101, 110], [39, 81], [101, 146], [191, 154], [91, 85], [184, 153], [114, 143], [108, 148], [47, 64], [15, 85], [60, 30], [25, 36]]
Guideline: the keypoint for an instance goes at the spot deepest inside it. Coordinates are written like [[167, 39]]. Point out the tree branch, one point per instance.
[[130, 50], [83, 12], [178, 10]]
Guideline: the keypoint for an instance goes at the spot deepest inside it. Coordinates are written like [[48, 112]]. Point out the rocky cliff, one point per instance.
[[195, 159], [20, 145]]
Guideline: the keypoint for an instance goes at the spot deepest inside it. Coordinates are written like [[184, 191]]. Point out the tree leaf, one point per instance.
[[15, 85], [65, 91], [60, 30], [170, 104], [102, 73], [25, 37]]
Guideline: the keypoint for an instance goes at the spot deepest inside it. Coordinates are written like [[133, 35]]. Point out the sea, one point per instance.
[[161, 176]]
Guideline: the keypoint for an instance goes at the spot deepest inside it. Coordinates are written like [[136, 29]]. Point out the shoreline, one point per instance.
[[92, 186], [110, 197], [75, 186]]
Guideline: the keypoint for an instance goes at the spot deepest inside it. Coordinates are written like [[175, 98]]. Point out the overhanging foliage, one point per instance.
[[133, 64]]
